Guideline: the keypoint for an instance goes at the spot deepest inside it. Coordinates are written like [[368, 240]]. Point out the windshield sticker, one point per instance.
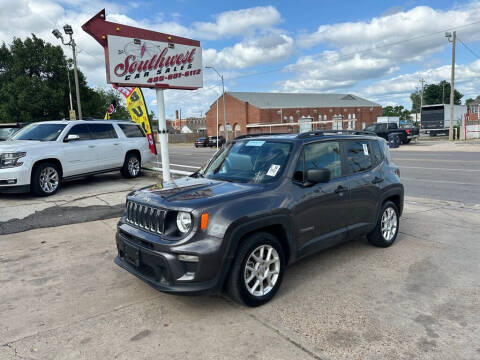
[[365, 149], [255, 143], [273, 170]]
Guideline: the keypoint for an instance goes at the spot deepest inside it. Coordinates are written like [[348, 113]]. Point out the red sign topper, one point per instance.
[[137, 57]]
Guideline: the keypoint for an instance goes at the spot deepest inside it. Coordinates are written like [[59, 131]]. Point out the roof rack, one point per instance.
[[326, 132], [260, 134]]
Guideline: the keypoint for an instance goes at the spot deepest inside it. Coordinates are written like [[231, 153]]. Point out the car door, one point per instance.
[[78, 156], [363, 180], [107, 146], [382, 130], [321, 209]]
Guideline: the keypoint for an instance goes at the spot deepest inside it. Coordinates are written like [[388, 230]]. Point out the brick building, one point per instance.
[[250, 112]]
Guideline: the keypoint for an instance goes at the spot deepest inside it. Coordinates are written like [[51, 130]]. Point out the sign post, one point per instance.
[[136, 57]]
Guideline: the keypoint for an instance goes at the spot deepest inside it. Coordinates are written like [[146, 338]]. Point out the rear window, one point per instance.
[[358, 156], [102, 131], [131, 130]]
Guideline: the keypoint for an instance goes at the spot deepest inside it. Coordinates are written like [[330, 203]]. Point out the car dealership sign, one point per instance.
[[144, 58]]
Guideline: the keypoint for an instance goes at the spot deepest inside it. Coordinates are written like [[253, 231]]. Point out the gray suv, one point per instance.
[[261, 203]]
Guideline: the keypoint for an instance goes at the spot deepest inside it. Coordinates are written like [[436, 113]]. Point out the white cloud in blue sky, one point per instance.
[[372, 48]]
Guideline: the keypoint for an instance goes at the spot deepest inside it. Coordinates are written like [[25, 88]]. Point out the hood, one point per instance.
[[193, 192], [22, 145]]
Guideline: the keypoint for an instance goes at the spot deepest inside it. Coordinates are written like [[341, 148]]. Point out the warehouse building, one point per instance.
[[253, 112]]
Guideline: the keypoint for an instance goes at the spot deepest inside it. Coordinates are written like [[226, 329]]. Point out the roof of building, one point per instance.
[[301, 100]]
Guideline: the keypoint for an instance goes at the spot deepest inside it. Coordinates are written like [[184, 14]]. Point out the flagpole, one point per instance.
[[163, 136]]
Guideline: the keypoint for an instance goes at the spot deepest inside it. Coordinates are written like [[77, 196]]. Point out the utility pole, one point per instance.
[[223, 101], [452, 81], [69, 31]]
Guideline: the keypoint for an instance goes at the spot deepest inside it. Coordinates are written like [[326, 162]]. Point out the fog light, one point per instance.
[[189, 258], [11, 181]]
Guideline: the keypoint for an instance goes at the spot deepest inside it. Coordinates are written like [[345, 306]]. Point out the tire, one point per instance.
[[237, 282], [407, 141], [384, 238], [196, 145], [132, 166], [46, 179]]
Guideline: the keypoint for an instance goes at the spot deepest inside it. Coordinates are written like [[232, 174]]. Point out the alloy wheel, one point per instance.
[[133, 166], [49, 180], [389, 223], [262, 270]]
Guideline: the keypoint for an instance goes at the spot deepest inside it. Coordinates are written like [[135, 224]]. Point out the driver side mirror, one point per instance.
[[315, 176], [71, 137]]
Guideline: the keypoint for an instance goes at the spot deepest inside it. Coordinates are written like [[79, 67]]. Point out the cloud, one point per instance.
[[401, 86], [267, 49]]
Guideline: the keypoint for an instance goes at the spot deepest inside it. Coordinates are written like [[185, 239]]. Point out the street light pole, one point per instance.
[[69, 31], [69, 88], [223, 100], [452, 81]]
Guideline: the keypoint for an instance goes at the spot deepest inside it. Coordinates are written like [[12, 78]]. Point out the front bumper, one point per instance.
[[14, 179], [158, 264]]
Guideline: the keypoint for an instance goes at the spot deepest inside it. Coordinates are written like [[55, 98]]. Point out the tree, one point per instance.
[[399, 111], [34, 85], [416, 102], [440, 94]]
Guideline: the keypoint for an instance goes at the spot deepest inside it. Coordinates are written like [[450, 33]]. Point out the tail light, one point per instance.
[[397, 172], [407, 131]]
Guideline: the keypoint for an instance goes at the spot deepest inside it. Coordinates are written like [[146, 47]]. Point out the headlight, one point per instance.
[[184, 222], [8, 160]]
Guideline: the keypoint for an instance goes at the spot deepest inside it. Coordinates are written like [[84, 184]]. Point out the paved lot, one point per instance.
[[62, 297]]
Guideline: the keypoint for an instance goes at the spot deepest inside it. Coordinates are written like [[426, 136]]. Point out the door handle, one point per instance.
[[91, 146], [116, 144], [377, 180], [340, 190]]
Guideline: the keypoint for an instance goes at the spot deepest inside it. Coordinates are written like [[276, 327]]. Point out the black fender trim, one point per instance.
[[241, 227]]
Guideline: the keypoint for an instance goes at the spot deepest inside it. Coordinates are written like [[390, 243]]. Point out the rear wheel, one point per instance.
[[386, 230], [407, 141], [132, 166], [45, 179], [257, 271]]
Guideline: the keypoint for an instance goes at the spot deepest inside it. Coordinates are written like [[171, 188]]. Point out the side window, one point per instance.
[[392, 126], [376, 153], [382, 127], [323, 155], [386, 152], [102, 131], [131, 131], [358, 157], [81, 130]]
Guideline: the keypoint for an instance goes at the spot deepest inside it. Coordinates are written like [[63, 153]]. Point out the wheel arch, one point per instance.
[[133, 151], [51, 160]]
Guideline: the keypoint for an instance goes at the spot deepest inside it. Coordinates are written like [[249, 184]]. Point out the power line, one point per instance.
[[468, 48]]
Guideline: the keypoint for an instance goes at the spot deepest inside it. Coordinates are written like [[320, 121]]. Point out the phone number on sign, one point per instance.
[[173, 76]]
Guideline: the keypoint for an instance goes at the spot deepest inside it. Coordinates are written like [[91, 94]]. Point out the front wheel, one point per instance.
[[45, 179], [131, 166], [257, 271], [386, 230]]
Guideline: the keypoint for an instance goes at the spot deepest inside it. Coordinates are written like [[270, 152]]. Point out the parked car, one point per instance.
[[202, 142], [42, 155], [385, 129], [8, 129], [260, 204], [212, 141]]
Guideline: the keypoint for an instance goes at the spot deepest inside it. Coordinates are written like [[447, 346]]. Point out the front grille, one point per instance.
[[145, 217]]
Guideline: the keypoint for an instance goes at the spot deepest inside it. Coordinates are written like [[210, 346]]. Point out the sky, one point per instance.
[[375, 49]]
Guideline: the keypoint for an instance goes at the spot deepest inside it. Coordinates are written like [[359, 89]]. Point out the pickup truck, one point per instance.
[[385, 129]]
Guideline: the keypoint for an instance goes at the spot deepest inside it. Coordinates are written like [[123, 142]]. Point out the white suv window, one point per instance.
[[102, 131], [82, 130], [131, 130]]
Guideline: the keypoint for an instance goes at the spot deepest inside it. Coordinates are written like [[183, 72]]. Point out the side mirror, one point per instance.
[[316, 176], [71, 137]]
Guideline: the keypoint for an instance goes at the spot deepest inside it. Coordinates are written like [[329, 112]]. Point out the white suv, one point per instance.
[[42, 155]]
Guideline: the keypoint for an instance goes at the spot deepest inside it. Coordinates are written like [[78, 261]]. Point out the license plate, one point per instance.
[[132, 254]]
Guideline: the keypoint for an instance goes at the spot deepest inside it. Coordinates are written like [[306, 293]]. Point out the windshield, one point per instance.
[[6, 132], [39, 132], [370, 128], [252, 161]]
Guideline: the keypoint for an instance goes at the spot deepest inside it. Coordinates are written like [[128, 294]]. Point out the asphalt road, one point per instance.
[[451, 176]]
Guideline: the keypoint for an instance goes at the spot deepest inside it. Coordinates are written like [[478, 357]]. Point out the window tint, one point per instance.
[[376, 153], [102, 131], [322, 155], [81, 130], [382, 127], [358, 156], [131, 131]]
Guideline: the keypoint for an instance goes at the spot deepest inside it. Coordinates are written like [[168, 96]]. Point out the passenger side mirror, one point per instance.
[[316, 176], [71, 137]]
